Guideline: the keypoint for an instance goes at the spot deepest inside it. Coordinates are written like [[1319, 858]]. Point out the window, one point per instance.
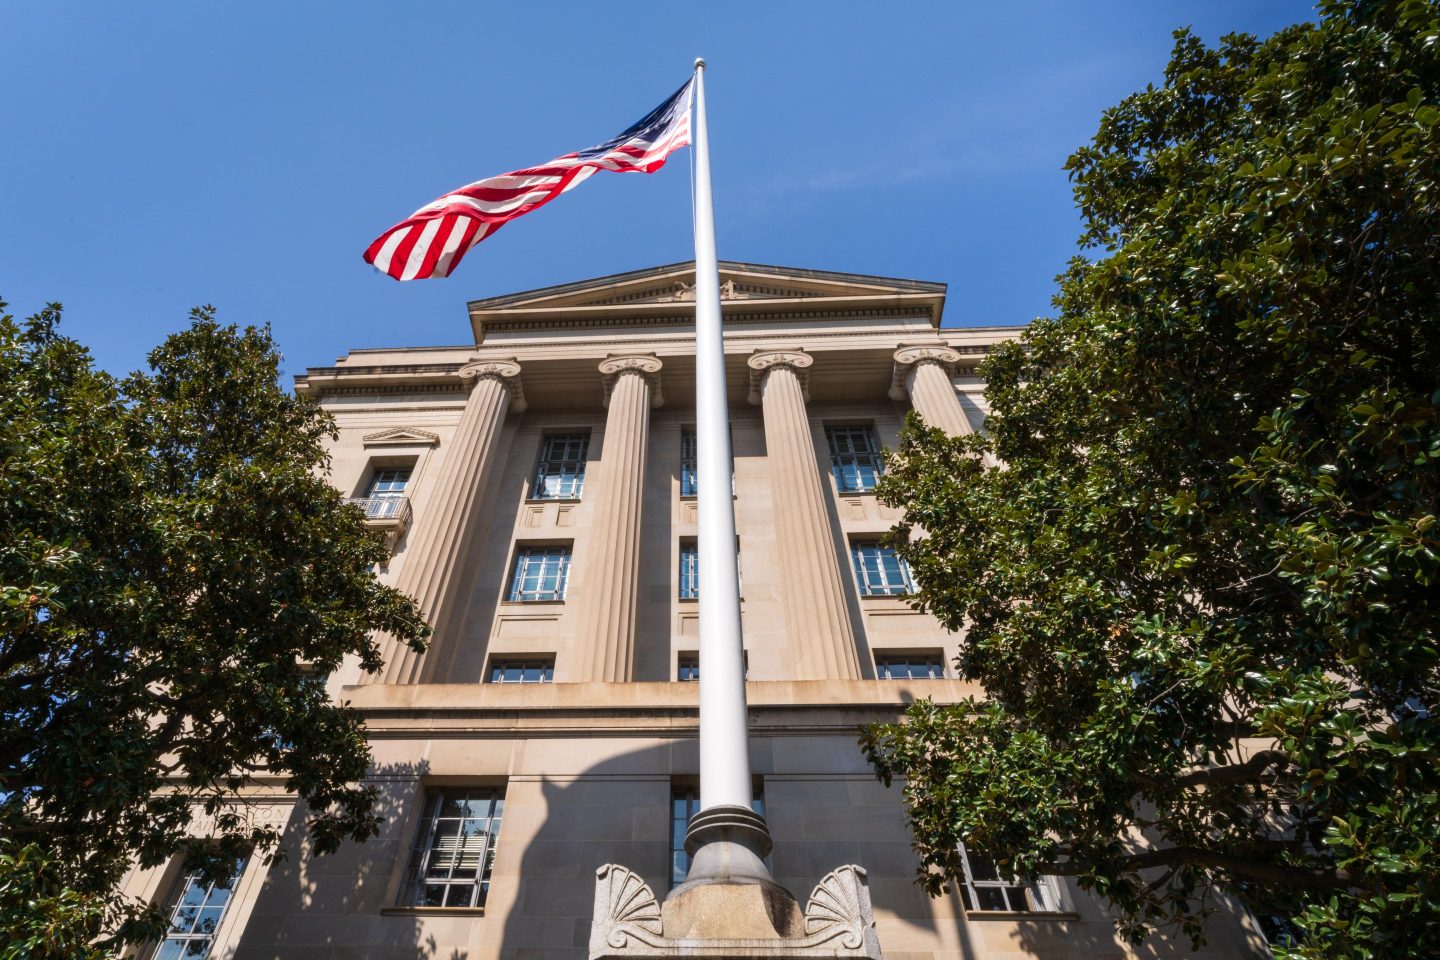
[[879, 570], [684, 804], [561, 471], [985, 889], [914, 666], [540, 574], [530, 670], [454, 848], [687, 665], [389, 482], [689, 486], [689, 570], [854, 458], [199, 908]]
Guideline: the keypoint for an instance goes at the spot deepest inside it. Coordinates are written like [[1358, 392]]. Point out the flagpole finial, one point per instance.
[[699, 63]]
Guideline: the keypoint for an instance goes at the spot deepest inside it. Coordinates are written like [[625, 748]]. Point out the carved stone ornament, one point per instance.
[[401, 437], [685, 293], [647, 365], [907, 357], [839, 923], [762, 363], [506, 372]]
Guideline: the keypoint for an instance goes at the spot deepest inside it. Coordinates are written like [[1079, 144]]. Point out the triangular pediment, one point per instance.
[[400, 437], [676, 284]]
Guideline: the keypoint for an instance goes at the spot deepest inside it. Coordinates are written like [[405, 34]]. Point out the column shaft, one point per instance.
[[817, 617], [431, 574], [606, 632]]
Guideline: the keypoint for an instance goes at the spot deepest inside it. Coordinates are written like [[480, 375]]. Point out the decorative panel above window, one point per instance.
[[879, 571], [560, 474], [195, 916], [454, 849], [541, 573], [854, 458]]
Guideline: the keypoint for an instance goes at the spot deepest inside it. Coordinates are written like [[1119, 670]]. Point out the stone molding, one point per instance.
[[401, 437], [646, 365], [504, 372], [839, 923], [763, 362], [943, 355]]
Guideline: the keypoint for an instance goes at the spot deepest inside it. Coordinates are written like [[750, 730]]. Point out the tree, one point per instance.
[[175, 570], [1201, 584]]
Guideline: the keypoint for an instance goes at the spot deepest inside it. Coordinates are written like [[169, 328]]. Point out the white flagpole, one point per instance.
[[724, 749]]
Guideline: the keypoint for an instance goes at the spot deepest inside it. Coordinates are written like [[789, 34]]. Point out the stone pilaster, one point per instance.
[[431, 571], [923, 374], [606, 632], [816, 612]]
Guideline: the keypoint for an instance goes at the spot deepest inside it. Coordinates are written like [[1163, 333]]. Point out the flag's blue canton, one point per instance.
[[648, 128]]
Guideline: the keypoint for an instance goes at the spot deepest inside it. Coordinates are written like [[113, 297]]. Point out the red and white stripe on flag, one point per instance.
[[432, 240]]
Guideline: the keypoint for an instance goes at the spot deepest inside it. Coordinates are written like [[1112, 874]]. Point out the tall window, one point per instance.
[[689, 486], [561, 471], [689, 570], [854, 458], [540, 574], [879, 571], [529, 670], [454, 848], [684, 804], [389, 482], [985, 889], [199, 908], [911, 666]]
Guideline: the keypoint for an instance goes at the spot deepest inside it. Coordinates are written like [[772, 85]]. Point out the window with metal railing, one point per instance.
[[855, 460], [879, 570], [560, 473], [454, 850], [541, 573]]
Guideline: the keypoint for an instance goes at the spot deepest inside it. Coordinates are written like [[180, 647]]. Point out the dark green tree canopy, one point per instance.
[[175, 571], [1202, 586]]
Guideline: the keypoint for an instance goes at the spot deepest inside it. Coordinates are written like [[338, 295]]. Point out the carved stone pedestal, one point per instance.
[[719, 921]]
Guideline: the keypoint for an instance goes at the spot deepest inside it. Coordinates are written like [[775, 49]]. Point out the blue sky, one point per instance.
[[163, 155]]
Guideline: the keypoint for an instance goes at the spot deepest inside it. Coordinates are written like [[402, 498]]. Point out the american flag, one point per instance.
[[432, 240]]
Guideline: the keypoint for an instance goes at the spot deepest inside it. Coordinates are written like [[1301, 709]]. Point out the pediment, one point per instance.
[[401, 437], [675, 284]]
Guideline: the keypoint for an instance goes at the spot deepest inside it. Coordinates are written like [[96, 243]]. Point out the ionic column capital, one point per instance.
[[645, 365], [761, 363], [907, 358], [504, 372]]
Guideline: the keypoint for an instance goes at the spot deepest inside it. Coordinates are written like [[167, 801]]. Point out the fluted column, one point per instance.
[[606, 633], [430, 574], [817, 618], [923, 374]]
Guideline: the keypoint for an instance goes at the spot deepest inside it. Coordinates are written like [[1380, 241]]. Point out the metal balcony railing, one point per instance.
[[392, 509]]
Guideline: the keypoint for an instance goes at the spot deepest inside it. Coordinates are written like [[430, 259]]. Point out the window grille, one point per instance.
[[854, 458], [684, 804], [199, 908], [879, 571], [560, 473], [541, 573], [522, 671], [689, 483], [985, 889], [389, 482], [454, 848], [689, 571], [917, 666]]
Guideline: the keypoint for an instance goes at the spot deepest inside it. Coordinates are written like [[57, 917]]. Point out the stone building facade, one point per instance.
[[537, 485]]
